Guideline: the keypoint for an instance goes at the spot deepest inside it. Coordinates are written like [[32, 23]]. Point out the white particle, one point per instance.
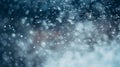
[[40, 10], [34, 47], [59, 19], [70, 21], [30, 40], [43, 44], [23, 20], [59, 8], [13, 35], [21, 36], [31, 32], [27, 12], [5, 26]]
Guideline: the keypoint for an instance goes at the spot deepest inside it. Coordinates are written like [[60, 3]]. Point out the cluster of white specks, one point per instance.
[[60, 33], [82, 50]]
